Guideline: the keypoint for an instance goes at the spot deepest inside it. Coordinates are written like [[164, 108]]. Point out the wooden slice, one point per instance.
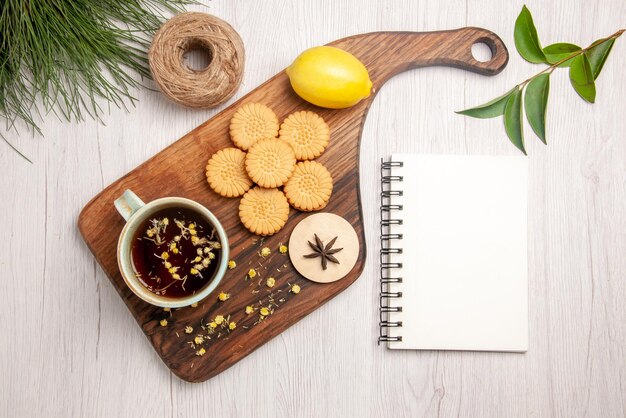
[[327, 226]]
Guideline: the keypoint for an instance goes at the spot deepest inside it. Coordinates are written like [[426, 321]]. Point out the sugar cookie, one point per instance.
[[310, 186], [251, 122], [263, 211], [307, 133], [270, 162], [226, 172]]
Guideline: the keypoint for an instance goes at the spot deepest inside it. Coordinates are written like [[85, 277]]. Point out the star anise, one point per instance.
[[324, 252]]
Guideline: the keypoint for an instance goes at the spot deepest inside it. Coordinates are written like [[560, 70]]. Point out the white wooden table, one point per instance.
[[69, 347]]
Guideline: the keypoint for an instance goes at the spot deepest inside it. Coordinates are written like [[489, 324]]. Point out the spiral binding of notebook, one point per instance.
[[390, 270]]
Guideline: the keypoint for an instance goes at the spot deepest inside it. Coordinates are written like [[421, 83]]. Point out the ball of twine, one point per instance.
[[204, 88]]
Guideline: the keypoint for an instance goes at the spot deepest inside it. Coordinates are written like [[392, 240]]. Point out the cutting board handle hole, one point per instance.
[[482, 51]]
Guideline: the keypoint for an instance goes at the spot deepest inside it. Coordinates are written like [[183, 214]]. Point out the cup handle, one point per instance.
[[127, 204]]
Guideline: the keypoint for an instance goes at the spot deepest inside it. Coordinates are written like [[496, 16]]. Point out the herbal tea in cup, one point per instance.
[[175, 252], [172, 252]]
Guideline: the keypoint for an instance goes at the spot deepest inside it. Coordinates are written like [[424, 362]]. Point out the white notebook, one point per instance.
[[460, 223]]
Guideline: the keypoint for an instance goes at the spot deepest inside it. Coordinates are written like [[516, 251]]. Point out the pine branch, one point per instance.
[[64, 56]]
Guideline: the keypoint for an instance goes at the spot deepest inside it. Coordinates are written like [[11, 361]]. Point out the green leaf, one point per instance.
[[581, 77], [526, 39], [535, 104], [490, 109], [598, 55], [557, 52], [513, 120]]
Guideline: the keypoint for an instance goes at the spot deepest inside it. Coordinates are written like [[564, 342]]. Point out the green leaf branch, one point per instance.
[[531, 95]]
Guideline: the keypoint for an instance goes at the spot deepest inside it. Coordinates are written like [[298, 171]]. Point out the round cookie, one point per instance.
[[263, 211], [226, 173], [309, 187], [251, 122], [307, 133], [327, 227], [270, 162]]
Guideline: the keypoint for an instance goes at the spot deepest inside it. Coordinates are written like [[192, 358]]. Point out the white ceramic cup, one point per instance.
[[135, 212]]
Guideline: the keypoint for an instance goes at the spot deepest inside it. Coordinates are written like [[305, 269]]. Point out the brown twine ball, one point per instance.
[[210, 86]]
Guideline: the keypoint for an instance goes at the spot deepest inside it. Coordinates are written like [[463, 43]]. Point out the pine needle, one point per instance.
[[62, 56]]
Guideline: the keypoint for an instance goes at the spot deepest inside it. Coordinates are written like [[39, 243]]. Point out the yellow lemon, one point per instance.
[[329, 77]]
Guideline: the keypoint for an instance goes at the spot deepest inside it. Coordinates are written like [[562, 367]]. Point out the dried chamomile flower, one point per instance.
[[249, 309], [295, 289], [163, 322], [232, 264], [223, 296], [232, 325], [252, 273], [198, 340], [270, 282], [265, 251], [165, 255], [200, 352], [212, 325], [282, 249], [188, 329], [264, 311], [219, 319]]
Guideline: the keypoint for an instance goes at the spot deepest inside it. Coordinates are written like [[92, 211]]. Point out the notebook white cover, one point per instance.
[[464, 253]]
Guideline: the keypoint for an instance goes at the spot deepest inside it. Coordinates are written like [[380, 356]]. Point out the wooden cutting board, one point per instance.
[[179, 171]]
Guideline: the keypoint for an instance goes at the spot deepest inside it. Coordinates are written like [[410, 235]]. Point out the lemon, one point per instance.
[[329, 77]]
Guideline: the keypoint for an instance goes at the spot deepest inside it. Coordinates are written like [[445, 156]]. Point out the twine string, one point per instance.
[[205, 88]]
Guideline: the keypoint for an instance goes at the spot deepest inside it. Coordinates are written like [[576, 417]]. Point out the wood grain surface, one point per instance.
[[179, 171], [69, 348]]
